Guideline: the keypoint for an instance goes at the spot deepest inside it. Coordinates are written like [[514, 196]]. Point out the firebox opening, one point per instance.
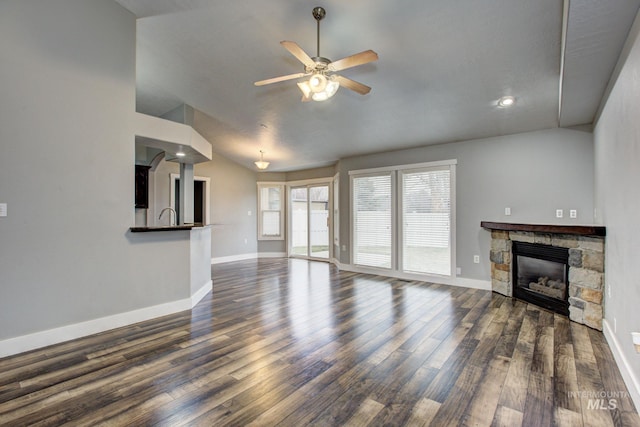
[[540, 275]]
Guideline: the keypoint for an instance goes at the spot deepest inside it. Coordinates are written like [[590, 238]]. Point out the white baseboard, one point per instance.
[[626, 371], [200, 293], [232, 258], [244, 257], [457, 281], [272, 255], [78, 330], [465, 282]]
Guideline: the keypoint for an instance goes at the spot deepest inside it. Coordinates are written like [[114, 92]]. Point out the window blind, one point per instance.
[[372, 221], [426, 221]]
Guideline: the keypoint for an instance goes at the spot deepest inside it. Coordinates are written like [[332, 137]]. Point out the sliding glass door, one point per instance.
[[404, 218], [309, 221], [426, 221]]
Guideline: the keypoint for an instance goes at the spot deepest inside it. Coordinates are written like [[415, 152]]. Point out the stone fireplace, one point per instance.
[[554, 266]]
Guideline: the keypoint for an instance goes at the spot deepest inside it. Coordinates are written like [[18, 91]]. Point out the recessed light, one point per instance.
[[506, 101]]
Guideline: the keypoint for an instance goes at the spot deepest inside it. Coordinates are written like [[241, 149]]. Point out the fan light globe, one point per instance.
[[317, 83], [330, 90]]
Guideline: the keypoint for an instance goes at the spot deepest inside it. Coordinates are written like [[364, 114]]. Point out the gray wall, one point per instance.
[[233, 195], [532, 173], [67, 170], [617, 160]]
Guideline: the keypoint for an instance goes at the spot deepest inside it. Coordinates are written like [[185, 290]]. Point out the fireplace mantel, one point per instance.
[[578, 230]]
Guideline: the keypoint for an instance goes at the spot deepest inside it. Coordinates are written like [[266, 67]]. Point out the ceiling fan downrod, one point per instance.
[[318, 13]]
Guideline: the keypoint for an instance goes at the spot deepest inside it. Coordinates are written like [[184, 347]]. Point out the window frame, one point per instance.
[[401, 216], [281, 210], [397, 215]]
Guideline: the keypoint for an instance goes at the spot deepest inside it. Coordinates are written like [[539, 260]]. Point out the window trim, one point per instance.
[[261, 186]]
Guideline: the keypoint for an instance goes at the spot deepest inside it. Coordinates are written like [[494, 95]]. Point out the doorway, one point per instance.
[[309, 221], [200, 198]]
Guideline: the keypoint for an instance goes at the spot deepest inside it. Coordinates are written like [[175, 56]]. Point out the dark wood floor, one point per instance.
[[294, 343]]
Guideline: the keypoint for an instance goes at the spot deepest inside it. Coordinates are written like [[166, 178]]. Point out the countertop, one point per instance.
[[155, 228]]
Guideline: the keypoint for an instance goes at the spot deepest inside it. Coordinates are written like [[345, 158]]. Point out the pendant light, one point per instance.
[[261, 164]]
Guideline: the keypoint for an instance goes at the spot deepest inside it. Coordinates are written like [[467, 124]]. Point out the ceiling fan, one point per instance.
[[323, 83]]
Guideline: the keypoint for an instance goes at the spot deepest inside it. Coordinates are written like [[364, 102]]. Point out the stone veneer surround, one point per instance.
[[586, 268]]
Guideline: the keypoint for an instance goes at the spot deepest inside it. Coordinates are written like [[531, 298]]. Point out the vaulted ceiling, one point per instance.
[[443, 65]]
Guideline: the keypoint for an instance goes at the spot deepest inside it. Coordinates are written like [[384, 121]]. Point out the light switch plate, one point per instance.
[[3, 209], [573, 213], [559, 213]]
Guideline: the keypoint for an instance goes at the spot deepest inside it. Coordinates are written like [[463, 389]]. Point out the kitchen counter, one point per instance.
[[164, 228], [187, 252]]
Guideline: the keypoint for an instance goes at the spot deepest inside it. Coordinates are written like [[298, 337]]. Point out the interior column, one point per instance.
[[186, 193]]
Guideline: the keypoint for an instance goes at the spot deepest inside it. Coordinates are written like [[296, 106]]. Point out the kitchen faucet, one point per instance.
[[171, 210]]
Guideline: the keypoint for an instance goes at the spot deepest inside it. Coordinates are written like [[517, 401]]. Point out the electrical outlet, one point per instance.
[[476, 259], [3, 209], [248, 213], [458, 271], [507, 211], [559, 213], [573, 213]]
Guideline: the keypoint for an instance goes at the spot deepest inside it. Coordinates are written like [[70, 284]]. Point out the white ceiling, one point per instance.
[[443, 65]]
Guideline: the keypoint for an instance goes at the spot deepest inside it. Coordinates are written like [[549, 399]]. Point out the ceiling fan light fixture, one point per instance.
[[329, 87], [261, 164]]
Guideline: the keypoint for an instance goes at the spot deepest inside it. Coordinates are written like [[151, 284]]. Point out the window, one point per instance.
[[372, 237], [421, 240], [270, 211]]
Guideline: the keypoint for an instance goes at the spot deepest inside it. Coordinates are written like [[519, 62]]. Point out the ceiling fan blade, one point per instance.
[[354, 60], [353, 85], [297, 51], [280, 79]]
